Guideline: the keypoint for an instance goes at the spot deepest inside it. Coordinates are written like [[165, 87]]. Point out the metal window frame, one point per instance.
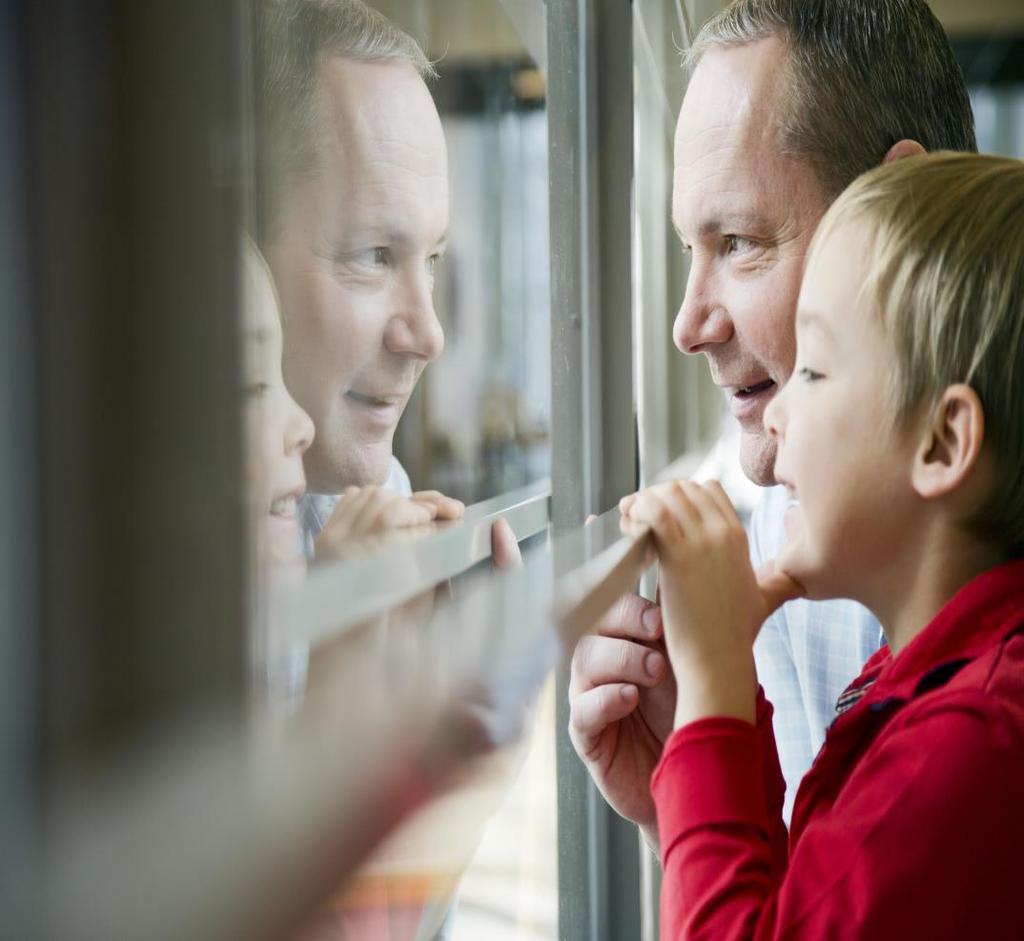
[[338, 596], [594, 459]]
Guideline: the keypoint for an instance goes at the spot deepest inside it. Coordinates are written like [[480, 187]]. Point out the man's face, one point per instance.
[[747, 214], [353, 259]]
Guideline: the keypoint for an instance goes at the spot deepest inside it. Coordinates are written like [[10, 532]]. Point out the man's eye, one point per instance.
[[378, 257], [432, 263], [809, 375], [738, 245]]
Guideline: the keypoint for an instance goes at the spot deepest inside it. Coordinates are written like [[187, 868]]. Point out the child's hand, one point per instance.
[[370, 511], [712, 602]]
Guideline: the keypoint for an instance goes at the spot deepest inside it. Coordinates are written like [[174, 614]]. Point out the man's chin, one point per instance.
[[757, 458], [332, 472]]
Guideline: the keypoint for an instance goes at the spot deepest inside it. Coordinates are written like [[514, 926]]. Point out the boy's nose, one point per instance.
[[775, 414]]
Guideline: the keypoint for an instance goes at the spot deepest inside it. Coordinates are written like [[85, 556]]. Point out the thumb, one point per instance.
[[504, 547], [777, 587]]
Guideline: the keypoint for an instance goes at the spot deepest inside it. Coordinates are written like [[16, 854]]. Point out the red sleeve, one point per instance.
[[922, 841]]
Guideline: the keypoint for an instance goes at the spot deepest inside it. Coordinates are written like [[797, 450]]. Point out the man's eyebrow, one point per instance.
[[732, 223], [390, 235]]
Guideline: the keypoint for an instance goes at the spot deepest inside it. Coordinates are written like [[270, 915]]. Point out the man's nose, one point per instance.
[[702, 321], [414, 329]]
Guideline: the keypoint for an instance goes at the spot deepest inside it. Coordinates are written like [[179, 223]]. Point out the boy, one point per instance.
[[902, 444]]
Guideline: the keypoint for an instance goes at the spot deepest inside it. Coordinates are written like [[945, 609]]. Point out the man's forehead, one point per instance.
[[733, 98], [383, 104]]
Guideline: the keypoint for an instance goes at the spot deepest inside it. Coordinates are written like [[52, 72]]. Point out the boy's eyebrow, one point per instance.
[[812, 319]]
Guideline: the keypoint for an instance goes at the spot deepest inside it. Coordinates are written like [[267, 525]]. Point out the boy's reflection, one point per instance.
[[279, 431]]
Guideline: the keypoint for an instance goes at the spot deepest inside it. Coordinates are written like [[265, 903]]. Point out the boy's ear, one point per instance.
[[951, 443], [903, 148]]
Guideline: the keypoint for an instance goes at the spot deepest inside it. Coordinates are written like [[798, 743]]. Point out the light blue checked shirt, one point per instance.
[[807, 653]]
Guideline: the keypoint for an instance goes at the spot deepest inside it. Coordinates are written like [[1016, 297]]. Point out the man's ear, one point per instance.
[[951, 443], [903, 148]]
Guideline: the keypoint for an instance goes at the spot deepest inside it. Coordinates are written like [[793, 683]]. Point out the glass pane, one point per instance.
[[396, 314]]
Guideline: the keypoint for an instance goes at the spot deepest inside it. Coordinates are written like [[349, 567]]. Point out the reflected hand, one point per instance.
[[504, 547], [371, 511]]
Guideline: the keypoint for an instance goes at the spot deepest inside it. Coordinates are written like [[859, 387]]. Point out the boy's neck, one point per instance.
[[946, 559]]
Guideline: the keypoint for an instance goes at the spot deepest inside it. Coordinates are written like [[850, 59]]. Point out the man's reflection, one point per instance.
[[357, 222]]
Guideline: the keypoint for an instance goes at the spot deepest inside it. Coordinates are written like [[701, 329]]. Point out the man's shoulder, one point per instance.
[[768, 524]]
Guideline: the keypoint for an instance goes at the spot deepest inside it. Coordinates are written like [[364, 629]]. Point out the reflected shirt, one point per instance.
[[807, 653], [287, 676]]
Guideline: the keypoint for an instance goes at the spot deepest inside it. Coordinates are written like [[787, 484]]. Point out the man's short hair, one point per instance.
[[946, 278], [294, 39], [863, 74]]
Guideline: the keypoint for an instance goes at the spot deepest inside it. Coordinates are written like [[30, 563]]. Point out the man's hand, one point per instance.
[[713, 602], [622, 698]]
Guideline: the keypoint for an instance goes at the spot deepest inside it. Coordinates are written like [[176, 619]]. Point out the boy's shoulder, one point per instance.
[[982, 696]]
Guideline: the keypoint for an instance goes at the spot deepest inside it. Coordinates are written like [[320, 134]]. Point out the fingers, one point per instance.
[[777, 587], [598, 661], [399, 512], [504, 547], [593, 711], [446, 508], [359, 508], [717, 493], [690, 506], [670, 514], [631, 618]]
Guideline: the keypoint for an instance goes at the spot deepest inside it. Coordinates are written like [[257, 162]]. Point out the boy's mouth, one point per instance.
[[284, 506]]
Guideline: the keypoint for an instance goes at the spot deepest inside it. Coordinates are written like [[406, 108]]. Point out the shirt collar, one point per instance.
[[980, 615]]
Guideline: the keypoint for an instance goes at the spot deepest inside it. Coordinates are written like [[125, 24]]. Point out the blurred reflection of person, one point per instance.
[[354, 223], [278, 430]]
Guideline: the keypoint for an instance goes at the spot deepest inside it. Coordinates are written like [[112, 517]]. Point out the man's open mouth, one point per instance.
[[370, 401], [747, 392]]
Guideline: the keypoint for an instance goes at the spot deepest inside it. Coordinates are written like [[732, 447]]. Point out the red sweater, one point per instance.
[[910, 823]]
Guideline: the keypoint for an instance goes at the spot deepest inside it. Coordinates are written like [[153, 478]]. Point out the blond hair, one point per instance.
[[946, 276]]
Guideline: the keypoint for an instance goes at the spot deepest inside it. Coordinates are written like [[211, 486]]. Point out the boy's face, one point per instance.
[[279, 431], [845, 464]]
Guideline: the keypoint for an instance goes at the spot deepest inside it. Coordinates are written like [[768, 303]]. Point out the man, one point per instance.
[[789, 101], [355, 202]]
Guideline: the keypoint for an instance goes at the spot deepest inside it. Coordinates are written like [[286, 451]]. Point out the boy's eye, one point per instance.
[[256, 390], [809, 375]]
